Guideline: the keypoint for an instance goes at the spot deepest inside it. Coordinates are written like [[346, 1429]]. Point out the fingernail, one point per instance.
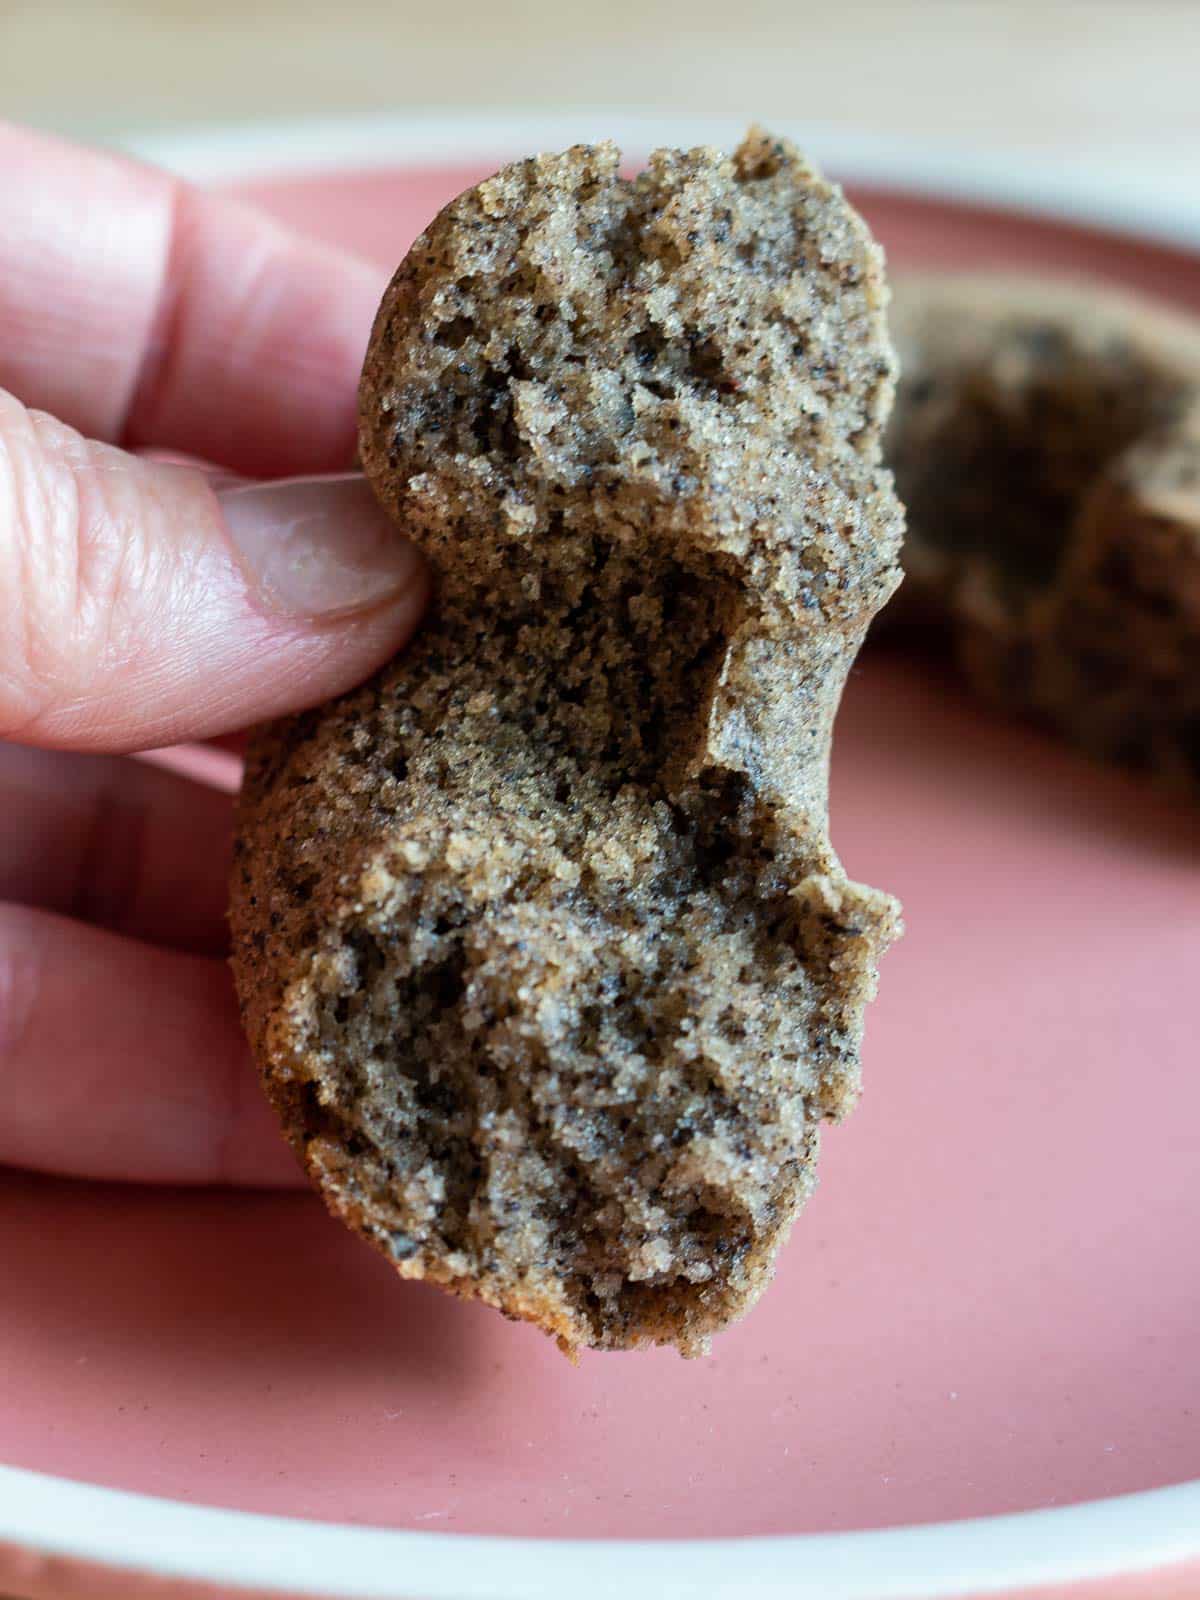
[[317, 547]]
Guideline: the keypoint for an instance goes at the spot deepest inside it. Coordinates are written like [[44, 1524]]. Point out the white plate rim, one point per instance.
[[1123, 1537], [1120, 1538], [1092, 191]]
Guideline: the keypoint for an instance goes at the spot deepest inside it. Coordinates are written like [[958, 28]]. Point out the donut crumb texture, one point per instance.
[[1046, 442], [549, 965]]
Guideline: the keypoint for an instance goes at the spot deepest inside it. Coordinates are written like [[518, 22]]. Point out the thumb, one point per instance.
[[142, 604]]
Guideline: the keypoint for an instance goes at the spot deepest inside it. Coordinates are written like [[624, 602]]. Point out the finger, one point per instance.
[[218, 477], [119, 1061], [139, 606], [145, 312], [190, 759], [217, 762], [119, 843]]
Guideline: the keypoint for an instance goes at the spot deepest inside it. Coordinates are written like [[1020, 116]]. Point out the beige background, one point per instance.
[[1057, 80]]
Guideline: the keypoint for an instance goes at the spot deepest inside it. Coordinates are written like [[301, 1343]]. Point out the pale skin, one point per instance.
[[147, 602]]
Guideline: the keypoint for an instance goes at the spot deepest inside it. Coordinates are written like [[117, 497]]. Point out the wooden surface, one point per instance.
[[1106, 81]]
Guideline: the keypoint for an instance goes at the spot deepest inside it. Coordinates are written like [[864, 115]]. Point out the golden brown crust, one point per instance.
[[1046, 442], [542, 946]]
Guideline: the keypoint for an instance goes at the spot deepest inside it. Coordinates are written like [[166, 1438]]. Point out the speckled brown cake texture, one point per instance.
[[541, 943], [1046, 442]]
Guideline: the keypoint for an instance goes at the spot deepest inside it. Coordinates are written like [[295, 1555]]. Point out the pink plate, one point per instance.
[[990, 1308]]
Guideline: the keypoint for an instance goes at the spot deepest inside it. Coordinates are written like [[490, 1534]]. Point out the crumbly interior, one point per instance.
[[1046, 442], [550, 965]]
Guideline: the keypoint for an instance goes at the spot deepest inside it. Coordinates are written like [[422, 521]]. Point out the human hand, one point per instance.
[[144, 603]]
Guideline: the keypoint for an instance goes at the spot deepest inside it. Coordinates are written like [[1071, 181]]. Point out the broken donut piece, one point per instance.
[[548, 962], [1046, 442]]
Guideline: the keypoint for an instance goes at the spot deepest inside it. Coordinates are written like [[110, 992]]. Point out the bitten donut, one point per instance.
[[1046, 442], [551, 970]]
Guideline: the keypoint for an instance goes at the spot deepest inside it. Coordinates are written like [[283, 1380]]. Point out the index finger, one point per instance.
[[143, 311]]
